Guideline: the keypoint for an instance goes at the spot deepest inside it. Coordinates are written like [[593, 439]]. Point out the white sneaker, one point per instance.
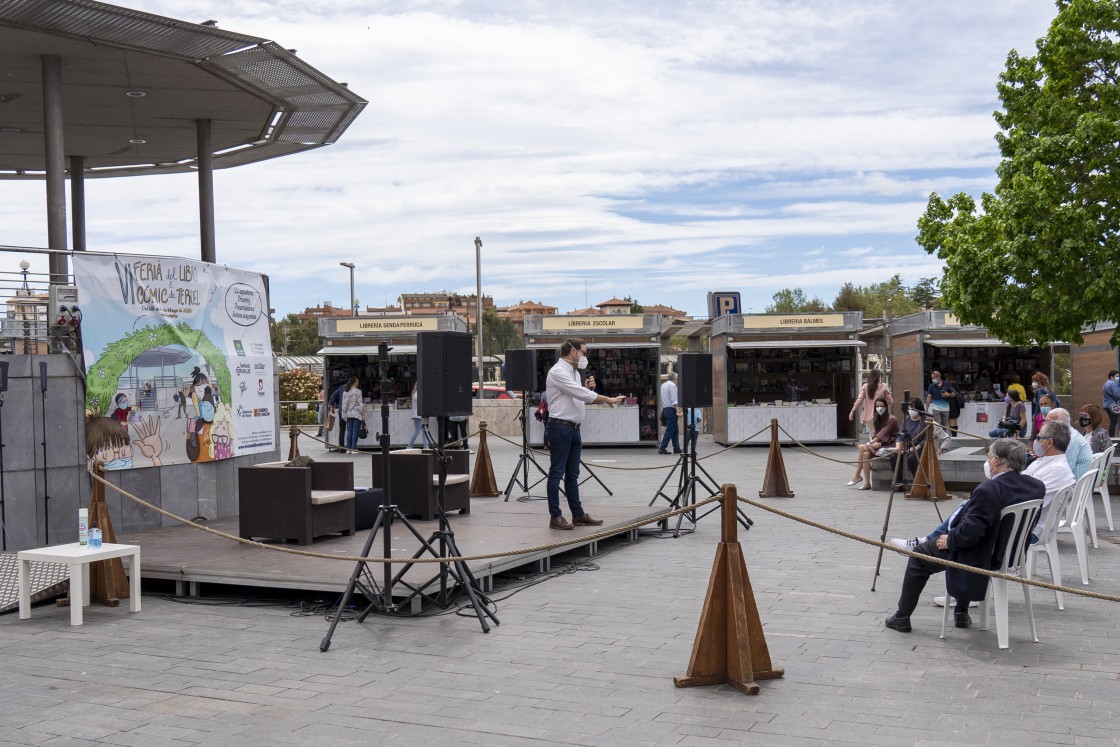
[[903, 544], [940, 602]]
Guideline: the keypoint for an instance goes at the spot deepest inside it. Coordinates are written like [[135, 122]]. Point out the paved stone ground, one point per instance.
[[588, 657]]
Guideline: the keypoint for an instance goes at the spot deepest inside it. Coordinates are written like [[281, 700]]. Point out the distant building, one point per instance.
[[591, 311], [326, 311], [666, 311], [517, 313], [615, 306]]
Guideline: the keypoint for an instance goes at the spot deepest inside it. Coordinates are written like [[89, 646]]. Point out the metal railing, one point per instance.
[[25, 282]]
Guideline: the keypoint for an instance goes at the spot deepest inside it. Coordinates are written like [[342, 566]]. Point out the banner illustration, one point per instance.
[[178, 352]]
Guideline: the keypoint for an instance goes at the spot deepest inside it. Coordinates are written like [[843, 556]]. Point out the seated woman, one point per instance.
[[884, 428], [911, 440], [1091, 420], [1016, 411], [1045, 404]]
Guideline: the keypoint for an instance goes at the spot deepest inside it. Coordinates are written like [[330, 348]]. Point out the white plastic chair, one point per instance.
[[1074, 520], [1020, 517], [1048, 541], [1090, 509], [1101, 488]]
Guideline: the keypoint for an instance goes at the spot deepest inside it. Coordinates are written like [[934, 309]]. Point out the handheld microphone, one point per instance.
[[43, 375]]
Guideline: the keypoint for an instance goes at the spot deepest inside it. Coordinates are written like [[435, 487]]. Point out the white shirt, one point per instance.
[[567, 396], [1055, 474], [669, 394]]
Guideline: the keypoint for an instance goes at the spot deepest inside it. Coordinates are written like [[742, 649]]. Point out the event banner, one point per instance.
[[178, 352]]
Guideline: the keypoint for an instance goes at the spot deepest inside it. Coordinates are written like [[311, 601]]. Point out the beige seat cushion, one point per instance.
[[319, 497], [451, 479], [408, 451]]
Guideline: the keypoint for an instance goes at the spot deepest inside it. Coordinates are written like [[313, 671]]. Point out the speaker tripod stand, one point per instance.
[[520, 475]]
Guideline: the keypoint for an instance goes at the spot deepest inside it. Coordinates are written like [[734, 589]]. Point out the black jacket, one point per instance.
[[974, 536]]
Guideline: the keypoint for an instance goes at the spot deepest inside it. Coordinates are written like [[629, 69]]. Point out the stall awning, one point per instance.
[[367, 350], [597, 345], [799, 344], [971, 343]]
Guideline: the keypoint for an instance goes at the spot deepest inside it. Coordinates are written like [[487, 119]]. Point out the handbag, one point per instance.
[[363, 432], [1009, 424], [330, 421], [1115, 407]]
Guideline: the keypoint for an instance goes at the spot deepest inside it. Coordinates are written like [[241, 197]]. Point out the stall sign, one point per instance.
[[177, 352], [594, 323], [424, 324], [792, 321]]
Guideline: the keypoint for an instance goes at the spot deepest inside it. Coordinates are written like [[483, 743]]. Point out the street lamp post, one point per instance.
[[351, 304], [478, 310]]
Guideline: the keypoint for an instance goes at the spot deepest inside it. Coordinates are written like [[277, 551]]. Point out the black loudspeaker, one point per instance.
[[3, 376], [443, 362], [521, 370], [695, 381], [43, 375]]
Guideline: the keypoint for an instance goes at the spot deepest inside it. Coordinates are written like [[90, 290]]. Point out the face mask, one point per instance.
[[1044, 409], [881, 410], [119, 464], [915, 415], [1084, 420], [1034, 385], [582, 362], [987, 470], [1039, 449]]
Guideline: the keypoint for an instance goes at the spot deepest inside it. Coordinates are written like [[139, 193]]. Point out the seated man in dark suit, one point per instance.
[[972, 536]]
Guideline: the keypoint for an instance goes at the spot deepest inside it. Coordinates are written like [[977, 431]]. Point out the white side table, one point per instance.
[[78, 557]]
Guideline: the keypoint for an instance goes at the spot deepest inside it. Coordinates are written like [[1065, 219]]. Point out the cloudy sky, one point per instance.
[[657, 150]]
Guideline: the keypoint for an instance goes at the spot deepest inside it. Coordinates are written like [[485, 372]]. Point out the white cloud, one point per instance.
[[648, 149]]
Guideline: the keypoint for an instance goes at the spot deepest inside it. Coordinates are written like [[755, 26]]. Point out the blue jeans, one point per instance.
[[352, 425], [564, 449], [942, 528], [1001, 433], [417, 426], [669, 415]]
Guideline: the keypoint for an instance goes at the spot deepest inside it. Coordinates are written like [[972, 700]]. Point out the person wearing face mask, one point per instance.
[[936, 402], [1045, 405], [1077, 452], [884, 429], [1091, 421], [971, 537], [1016, 413], [911, 440], [670, 409], [865, 404], [1051, 464], [1112, 401], [1040, 386], [567, 398]]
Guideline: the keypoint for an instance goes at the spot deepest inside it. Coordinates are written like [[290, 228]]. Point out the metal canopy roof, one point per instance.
[[263, 101]]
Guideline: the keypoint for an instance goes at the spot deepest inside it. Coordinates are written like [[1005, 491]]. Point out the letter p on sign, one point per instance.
[[723, 302]]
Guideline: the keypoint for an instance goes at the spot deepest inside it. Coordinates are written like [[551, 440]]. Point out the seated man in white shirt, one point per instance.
[[1079, 454], [1051, 465]]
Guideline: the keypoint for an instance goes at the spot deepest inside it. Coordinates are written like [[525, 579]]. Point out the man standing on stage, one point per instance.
[[567, 397]]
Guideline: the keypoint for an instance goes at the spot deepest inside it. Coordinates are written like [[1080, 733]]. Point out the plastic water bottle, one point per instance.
[[94, 538], [83, 526]]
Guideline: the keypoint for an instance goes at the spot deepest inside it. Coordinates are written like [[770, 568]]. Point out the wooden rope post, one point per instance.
[[929, 485], [483, 482], [775, 484], [293, 434], [730, 646]]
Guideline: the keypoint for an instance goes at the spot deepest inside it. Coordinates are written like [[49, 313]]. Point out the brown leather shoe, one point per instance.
[[587, 521], [559, 522]]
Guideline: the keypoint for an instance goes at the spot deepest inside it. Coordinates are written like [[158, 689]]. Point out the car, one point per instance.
[[493, 391]]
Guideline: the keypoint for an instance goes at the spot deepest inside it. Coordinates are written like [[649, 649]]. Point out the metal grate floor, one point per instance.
[[48, 580]]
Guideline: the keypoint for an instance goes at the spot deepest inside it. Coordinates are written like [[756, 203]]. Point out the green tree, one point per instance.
[[635, 307], [926, 294], [886, 299], [290, 337], [793, 301], [1038, 261], [850, 298], [499, 334]]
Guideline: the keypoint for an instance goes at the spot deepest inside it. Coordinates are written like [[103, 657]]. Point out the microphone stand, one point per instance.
[[46, 478]]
